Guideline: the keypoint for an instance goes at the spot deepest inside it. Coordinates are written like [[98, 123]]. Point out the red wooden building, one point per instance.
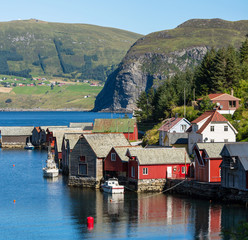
[[116, 162], [121, 125], [157, 163], [225, 103], [207, 161]]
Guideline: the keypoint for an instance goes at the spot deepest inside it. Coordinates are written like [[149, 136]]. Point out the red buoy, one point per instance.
[[90, 223]]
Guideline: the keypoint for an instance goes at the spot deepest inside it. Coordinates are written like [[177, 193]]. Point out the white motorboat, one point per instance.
[[51, 169], [112, 186], [29, 146]]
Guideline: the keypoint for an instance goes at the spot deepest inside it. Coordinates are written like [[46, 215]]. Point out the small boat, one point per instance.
[[51, 170], [112, 186], [29, 146]]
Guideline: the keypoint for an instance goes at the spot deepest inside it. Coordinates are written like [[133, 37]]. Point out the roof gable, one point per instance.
[[114, 125], [212, 150], [213, 117], [171, 123], [220, 96], [101, 143]]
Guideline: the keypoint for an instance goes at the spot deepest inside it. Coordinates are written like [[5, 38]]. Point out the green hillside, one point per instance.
[[38, 48], [78, 96], [193, 33]]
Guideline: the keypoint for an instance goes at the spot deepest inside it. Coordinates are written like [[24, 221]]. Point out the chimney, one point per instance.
[[232, 91]]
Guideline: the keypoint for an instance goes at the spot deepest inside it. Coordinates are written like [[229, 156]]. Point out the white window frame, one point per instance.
[[183, 127], [211, 128], [113, 157], [225, 140], [183, 169], [212, 140], [145, 171], [225, 128]]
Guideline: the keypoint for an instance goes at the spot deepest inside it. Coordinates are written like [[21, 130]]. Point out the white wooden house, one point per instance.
[[172, 130], [211, 126]]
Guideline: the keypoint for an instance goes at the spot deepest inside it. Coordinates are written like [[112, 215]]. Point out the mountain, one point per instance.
[[39, 48], [154, 57]]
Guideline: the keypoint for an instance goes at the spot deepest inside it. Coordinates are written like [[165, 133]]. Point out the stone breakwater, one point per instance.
[[211, 191], [84, 182]]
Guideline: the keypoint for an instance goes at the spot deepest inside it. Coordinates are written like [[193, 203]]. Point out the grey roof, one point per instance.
[[102, 143], [147, 156], [213, 149], [84, 125], [59, 134], [121, 151], [16, 131], [239, 149], [73, 138], [177, 138]]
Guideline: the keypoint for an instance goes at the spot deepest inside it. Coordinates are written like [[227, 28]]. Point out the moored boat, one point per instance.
[[29, 146], [112, 186], [51, 170]]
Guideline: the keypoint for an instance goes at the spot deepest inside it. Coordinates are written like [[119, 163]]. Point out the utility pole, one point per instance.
[[184, 114]]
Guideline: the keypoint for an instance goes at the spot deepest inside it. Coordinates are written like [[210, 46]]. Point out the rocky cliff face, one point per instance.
[[158, 55], [140, 73]]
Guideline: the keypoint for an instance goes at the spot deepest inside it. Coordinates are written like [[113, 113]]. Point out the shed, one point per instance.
[[86, 160], [234, 167]]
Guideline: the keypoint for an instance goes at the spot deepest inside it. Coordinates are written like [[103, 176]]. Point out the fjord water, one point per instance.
[[49, 209]]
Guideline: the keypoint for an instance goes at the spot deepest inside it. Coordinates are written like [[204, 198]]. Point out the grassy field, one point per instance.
[[78, 96]]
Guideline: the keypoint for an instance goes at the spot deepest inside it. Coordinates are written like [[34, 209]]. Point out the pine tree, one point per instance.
[[232, 70], [244, 51]]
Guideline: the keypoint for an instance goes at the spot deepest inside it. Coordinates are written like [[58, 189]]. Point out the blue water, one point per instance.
[[52, 118], [46, 209]]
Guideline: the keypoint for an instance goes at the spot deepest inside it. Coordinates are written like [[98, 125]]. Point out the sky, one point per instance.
[[139, 16]]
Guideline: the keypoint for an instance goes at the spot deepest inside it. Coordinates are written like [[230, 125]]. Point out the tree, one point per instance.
[[206, 104], [244, 51]]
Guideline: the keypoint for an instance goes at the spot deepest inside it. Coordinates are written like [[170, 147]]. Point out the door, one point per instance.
[[169, 172]]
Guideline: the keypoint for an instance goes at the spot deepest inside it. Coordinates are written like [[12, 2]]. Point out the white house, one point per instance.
[[211, 126], [175, 125]]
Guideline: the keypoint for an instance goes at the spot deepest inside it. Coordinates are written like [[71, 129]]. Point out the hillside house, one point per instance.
[[211, 126], [225, 103], [148, 168], [86, 158], [207, 160], [119, 125], [116, 162], [234, 167], [173, 132]]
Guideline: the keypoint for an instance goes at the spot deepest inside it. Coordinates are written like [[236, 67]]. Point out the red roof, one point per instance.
[[213, 117], [220, 96], [169, 124]]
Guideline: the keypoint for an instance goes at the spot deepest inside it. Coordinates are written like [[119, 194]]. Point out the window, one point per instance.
[[183, 127], [183, 170], [225, 140], [145, 171], [211, 140], [220, 172], [132, 171], [113, 157], [225, 128], [232, 103], [174, 169], [82, 169], [82, 158], [211, 128]]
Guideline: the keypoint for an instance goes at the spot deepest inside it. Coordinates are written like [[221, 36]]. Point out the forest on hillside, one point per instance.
[[220, 71]]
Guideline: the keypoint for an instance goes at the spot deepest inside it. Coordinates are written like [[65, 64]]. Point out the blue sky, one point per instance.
[[140, 16]]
